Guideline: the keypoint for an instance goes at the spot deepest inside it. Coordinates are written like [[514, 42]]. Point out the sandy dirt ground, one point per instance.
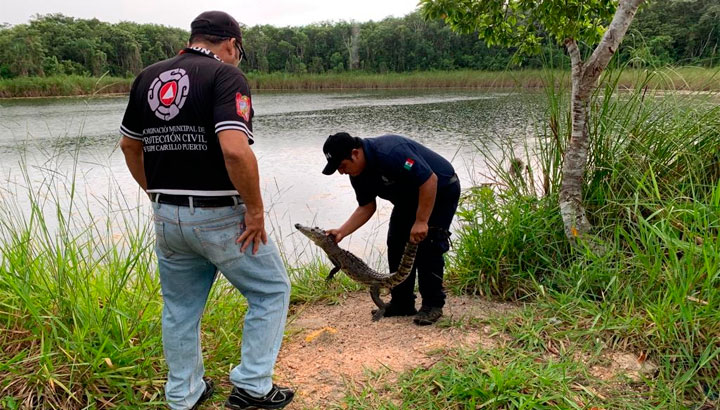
[[331, 345]]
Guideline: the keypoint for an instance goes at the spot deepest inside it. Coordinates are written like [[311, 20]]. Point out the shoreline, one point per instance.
[[262, 90], [292, 90]]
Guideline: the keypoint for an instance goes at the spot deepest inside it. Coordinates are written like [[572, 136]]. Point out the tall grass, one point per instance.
[[71, 85], [670, 78], [80, 301], [420, 79], [653, 195]]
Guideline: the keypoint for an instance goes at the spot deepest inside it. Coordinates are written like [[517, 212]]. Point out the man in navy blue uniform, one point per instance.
[[424, 191], [187, 132]]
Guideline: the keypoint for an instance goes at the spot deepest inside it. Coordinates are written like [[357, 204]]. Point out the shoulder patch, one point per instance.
[[243, 106]]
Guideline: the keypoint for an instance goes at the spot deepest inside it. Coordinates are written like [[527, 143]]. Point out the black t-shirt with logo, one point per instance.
[[177, 107], [395, 168]]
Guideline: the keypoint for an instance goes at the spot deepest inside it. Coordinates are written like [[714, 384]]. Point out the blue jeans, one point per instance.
[[192, 245]]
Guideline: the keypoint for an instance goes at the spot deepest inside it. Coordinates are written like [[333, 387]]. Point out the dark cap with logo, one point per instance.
[[337, 148], [217, 23]]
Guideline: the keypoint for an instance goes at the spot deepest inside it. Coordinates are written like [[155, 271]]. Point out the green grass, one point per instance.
[[80, 300], [683, 78], [651, 287], [79, 305], [423, 79], [73, 85], [309, 284], [504, 378]]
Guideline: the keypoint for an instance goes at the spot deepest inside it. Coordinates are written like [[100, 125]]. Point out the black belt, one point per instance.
[[197, 201]]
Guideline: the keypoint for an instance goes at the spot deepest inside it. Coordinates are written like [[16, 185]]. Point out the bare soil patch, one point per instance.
[[330, 345]]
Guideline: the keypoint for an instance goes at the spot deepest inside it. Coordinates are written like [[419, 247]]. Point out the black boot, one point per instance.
[[428, 315], [398, 309]]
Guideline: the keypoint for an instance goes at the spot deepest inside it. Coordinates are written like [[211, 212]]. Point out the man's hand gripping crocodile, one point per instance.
[[357, 269]]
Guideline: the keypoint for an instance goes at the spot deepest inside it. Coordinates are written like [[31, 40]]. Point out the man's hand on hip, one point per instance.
[[418, 232], [254, 231]]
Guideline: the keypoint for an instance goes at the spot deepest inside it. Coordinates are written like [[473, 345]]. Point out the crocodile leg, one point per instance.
[[333, 271], [375, 295]]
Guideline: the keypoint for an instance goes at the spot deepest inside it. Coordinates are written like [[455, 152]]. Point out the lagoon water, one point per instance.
[[50, 143]]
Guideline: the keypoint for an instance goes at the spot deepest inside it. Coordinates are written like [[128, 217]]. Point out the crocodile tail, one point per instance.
[[406, 264]]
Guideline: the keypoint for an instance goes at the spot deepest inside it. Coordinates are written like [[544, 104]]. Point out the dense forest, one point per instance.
[[665, 32]]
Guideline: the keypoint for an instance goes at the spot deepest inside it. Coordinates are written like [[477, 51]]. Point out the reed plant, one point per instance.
[[668, 78], [66, 85]]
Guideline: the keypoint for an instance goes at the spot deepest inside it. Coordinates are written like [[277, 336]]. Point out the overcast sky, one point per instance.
[[179, 13]]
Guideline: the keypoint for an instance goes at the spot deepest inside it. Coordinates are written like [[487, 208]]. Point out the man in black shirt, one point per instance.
[[187, 132], [424, 191]]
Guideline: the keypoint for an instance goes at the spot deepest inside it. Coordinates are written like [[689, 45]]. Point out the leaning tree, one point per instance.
[[524, 24]]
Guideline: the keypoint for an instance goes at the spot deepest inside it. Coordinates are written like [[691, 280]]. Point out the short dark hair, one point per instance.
[[206, 38]]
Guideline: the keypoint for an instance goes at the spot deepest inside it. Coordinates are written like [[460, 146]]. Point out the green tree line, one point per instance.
[[59, 45], [664, 32]]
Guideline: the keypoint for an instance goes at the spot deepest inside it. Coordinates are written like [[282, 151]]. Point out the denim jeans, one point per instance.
[[192, 245]]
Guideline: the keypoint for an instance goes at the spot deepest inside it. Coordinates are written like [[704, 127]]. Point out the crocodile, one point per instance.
[[359, 270]]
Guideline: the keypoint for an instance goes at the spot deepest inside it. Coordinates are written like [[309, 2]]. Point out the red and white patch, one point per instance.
[[243, 106], [168, 93]]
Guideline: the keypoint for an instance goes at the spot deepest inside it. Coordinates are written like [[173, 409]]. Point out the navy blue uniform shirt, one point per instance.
[[395, 168]]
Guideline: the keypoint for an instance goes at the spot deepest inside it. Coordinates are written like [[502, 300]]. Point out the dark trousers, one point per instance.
[[429, 263]]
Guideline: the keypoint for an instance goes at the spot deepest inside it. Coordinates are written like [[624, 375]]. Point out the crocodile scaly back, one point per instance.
[[354, 266]]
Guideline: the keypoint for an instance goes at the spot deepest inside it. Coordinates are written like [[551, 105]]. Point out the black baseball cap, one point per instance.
[[337, 148], [217, 23]]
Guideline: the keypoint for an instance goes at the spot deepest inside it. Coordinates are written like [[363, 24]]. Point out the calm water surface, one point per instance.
[[54, 139]]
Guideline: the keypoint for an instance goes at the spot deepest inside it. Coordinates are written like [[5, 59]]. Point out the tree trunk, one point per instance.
[[575, 157], [584, 82]]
